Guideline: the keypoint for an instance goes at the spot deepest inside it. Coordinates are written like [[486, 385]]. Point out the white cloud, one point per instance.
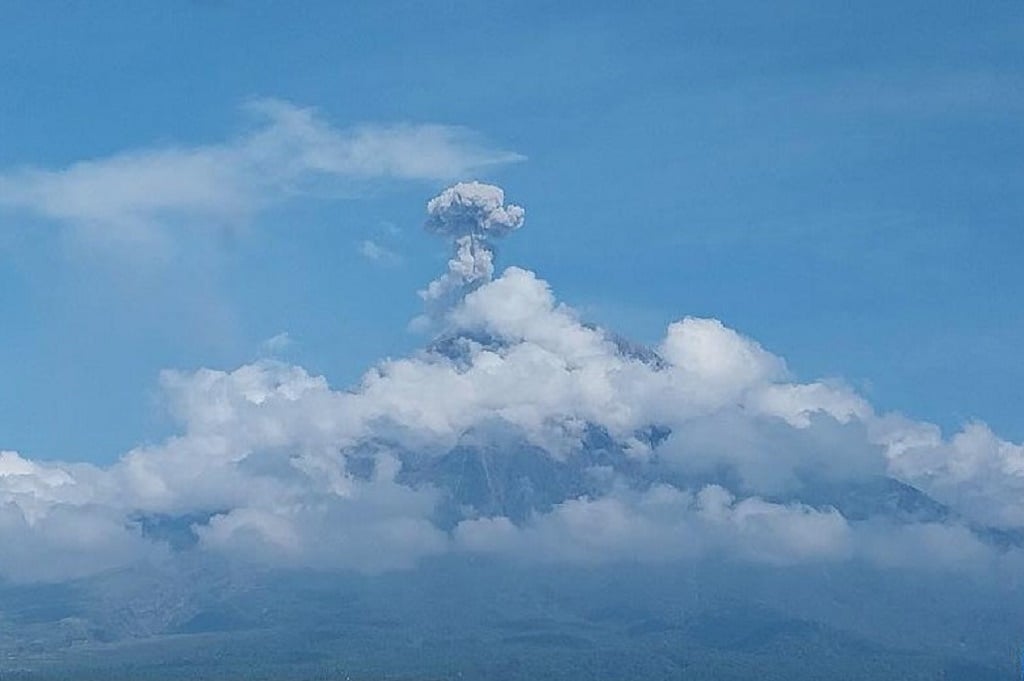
[[975, 471], [129, 200], [277, 343], [720, 361], [55, 524], [371, 250], [377, 525], [664, 524]]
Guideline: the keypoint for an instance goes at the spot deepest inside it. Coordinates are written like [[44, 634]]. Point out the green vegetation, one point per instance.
[[476, 620]]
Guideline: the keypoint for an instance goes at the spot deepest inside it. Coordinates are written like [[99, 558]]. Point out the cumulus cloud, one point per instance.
[[722, 362], [975, 470], [568, 445], [55, 524], [131, 199], [663, 524]]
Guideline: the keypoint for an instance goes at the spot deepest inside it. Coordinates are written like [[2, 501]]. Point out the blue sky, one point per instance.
[[842, 183]]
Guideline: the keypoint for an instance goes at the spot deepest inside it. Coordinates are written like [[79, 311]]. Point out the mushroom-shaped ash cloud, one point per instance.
[[470, 214], [473, 209]]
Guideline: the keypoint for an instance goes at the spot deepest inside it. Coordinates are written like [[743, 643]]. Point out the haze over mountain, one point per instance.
[[528, 494]]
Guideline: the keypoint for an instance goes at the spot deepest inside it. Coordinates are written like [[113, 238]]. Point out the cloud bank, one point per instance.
[[525, 433]]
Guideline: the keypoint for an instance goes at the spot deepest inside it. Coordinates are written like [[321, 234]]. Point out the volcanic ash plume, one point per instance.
[[470, 214]]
